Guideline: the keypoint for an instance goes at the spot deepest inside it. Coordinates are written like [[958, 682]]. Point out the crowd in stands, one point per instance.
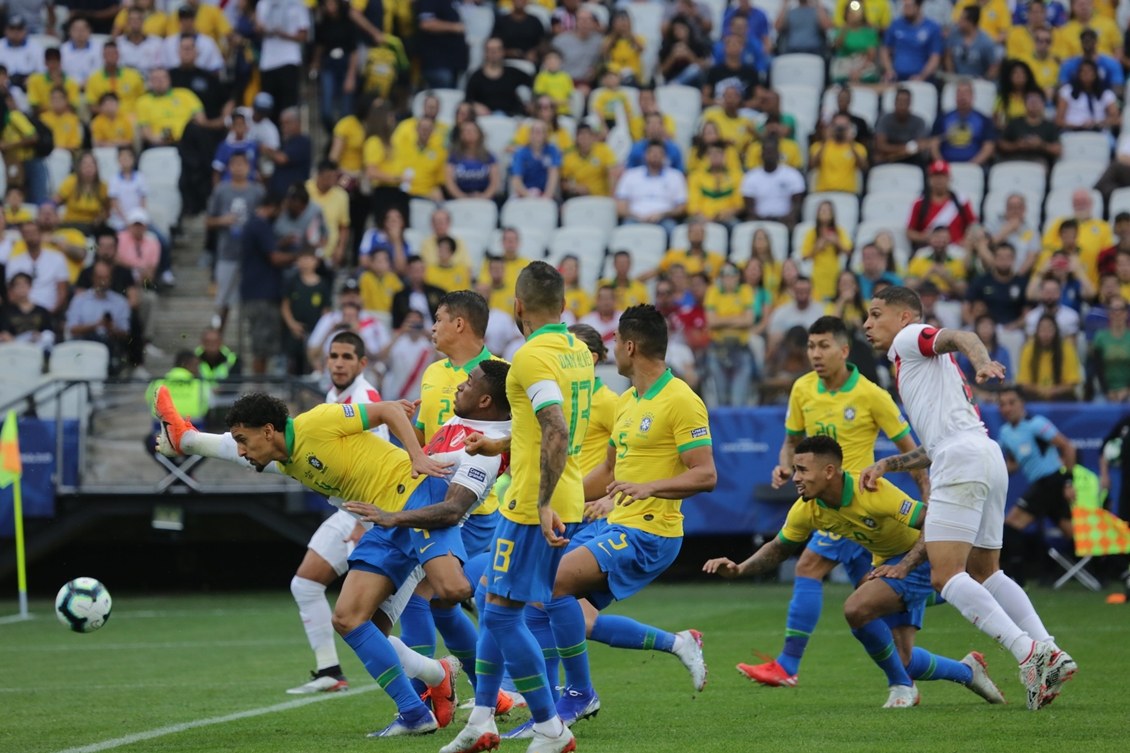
[[746, 166]]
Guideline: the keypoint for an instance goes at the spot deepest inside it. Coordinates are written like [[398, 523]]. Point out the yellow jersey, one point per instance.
[[437, 403], [557, 86], [455, 277], [377, 292], [69, 235], [352, 134], [16, 127], [838, 171], [83, 207], [1043, 375], [626, 57], [636, 125], [885, 522], [996, 18], [604, 104], [551, 368], [405, 137], [170, 111], [334, 204], [709, 262], [39, 88], [210, 21], [560, 138], [590, 171], [1094, 236], [826, 261], [513, 268], [921, 267], [126, 83], [501, 298], [116, 130], [65, 127], [789, 149], [374, 153], [577, 302], [710, 195], [154, 25], [737, 130], [1046, 72], [1019, 44], [1066, 44], [602, 418], [852, 415], [652, 433], [331, 450], [427, 167], [628, 294], [729, 304]]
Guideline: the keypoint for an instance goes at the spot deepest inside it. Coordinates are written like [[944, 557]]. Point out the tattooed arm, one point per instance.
[[554, 453], [764, 560], [908, 461], [952, 340], [449, 512]]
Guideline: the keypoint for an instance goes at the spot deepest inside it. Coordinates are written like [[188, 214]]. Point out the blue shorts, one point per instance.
[[915, 591], [429, 544], [523, 565], [478, 532], [631, 558], [855, 559]]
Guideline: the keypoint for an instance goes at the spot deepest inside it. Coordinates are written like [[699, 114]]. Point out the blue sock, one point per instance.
[[488, 669], [624, 632], [418, 631], [379, 657], [523, 659], [568, 622], [926, 666], [804, 613], [880, 646], [537, 620], [459, 636]]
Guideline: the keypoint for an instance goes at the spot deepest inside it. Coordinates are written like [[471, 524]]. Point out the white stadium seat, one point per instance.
[[1058, 203], [846, 205], [420, 214], [1080, 145], [530, 213], [1076, 174], [679, 101], [587, 244], [59, 165], [798, 68], [449, 100], [984, 96], [864, 103], [646, 243], [892, 208], [968, 180], [160, 166], [476, 213], [995, 201], [597, 212], [895, 179], [1119, 202], [532, 242], [498, 132], [716, 238], [1027, 177], [923, 100]]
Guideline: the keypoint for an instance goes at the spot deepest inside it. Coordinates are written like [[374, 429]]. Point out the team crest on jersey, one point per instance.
[[870, 522], [400, 488], [849, 414], [316, 464], [645, 422]]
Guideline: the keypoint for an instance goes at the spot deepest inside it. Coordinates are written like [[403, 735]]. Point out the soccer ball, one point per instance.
[[83, 605], [1112, 450]]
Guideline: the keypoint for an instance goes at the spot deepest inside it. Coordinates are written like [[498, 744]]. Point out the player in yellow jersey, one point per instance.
[[885, 611], [836, 400], [550, 391], [602, 413]]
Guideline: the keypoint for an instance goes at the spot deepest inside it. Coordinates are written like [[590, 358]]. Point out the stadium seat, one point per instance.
[[476, 240], [525, 66], [540, 13], [576, 104], [160, 166], [894, 179], [164, 206], [3, 176], [415, 238], [22, 361], [1090, 147], [1076, 174], [599, 12], [647, 244], [741, 240], [798, 69], [846, 205], [46, 41], [107, 159], [420, 214], [717, 12], [540, 214], [498, 132], [868, 231], [800, 101], [996, 200], [449, 100], [476, 213], [864, 103], [968, 180], [679, 101], [984, 96], [532, 242], [1025, 177], [804, 266], [890, 208], [597, 212], [647, 21], [587, 244], [923, 100], [59, 165], [77, 360], [1058, 203], [716, 238], [1119, 202]]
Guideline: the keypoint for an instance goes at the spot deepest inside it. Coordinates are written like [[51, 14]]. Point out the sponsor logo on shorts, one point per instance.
[[349, 411], [700, 432]]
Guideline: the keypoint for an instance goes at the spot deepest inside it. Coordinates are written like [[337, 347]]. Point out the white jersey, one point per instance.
[[145, 55], [474, 472], [934, 393], [359, 392]]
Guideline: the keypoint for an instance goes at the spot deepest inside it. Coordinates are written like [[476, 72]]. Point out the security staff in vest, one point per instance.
[[190, 393], [217, 362]]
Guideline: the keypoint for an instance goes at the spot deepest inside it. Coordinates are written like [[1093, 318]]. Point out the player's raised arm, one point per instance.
[[392, 415], [952, 340], [764, 560]]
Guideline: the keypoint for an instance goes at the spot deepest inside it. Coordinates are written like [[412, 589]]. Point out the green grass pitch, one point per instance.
[[169, 661]]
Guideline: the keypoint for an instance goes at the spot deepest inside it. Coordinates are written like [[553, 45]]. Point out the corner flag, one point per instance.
[[11, 469]]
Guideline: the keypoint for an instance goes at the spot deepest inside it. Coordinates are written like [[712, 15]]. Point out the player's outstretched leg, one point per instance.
[[624, 632], [971, 671]]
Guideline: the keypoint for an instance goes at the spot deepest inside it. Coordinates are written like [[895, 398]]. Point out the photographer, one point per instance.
[[840, 160]]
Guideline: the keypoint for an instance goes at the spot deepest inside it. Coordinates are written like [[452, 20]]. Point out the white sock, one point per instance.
[[977, 605], [678, 644], [416, 665], [219, 446], [550, 728], [1017, 605], [317, 619], [481, 716]]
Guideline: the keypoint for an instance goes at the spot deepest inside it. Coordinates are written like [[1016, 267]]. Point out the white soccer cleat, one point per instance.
[[562, 743], [1034, 671], [1061, 668], [982, 684], [164, 445], [321, 684], [474, 739], [902, 697], [690, 654]]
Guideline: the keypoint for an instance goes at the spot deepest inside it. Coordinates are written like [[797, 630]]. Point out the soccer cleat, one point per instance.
[[574, 705], [524, 731], [401, 727], [982, 684], [691, 657], [1061, 668], [321, 683], [1033, 672], [443, 696], [562, 743], [173, 424], [517, 699], [474, 739], [504, 705], [771, 674], [902, 697]]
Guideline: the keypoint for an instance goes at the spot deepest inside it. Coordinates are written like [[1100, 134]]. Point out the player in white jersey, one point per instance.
[[964, 527], [327, 554]]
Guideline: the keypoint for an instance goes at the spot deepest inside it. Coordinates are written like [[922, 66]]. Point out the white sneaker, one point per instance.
[[690, 654], [321, 684], [981, 684], [562, 743], [474, 739], [1061, 668], [1033, 673], [902, 697]]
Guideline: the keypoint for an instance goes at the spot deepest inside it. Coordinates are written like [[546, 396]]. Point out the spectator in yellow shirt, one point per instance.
[[839, 161], [698, 155], [40, 85], [555, 83], [64, 124], [939, 265], [694, 258], [629, 292], [648, 105], [424, 165], [512, 263], [623, 50], [732, 125], [729, 315], [16, 212], [84, 195], [1044, 65], [110, 127], [210, 21], [404, 136], [829, 247], [334, 203], [156, 23], [126, 83], [163, 112], [556, 133], [1065, 40], [1049, 364], [1020, 42], [604, 100], [379, 284], [1094, 234], [446, 274], [349, 136], [578, 302], [789, 154], [590, 168], [714, 194], [996, 18]]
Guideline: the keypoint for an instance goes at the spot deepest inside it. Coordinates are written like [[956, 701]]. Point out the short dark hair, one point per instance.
[[414, 259], [647, 328], [184, 358], [1069, 224], [587, 334], [622, 252], [470, 307], [822, 445], [541, 288], [20, 275], [1122, 217], [1011, 388], [256, 410], [326, 165], [446, 240], [495, 374], [350, 338], [105, 231], [830, 325], [900, 295], [972, 14]]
